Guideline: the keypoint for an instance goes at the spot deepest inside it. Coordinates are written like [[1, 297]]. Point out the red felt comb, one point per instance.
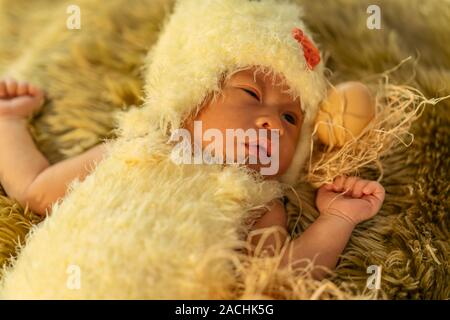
[[311, 53]]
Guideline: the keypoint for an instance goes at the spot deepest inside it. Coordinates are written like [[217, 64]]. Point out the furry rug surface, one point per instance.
[[91, 73]]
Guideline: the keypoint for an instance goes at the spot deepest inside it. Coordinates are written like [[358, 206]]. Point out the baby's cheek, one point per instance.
[[285, 156]]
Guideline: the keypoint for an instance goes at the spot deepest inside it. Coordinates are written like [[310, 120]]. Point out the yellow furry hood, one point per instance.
[[202, 41]]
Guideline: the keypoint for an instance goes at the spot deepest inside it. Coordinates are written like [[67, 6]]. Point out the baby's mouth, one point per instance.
[[255, 146]]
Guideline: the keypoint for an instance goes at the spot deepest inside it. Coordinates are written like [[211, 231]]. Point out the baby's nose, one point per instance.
[[270, 123]]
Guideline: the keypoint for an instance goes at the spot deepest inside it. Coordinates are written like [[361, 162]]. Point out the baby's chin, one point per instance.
[[268, 167], [270, 174]]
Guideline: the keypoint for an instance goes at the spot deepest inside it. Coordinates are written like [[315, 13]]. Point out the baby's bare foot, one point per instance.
[[19, 99]]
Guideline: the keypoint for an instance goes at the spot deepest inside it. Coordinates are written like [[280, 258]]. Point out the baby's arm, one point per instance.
[[272, 225], [325, 239], [25, 173], [51, 183], [322, 242]]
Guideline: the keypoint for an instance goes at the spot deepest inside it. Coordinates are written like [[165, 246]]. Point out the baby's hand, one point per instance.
[[19, 100], [351, 198]]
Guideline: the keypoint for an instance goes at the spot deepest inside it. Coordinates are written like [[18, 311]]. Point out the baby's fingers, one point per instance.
[[338, 183], [2, 89], [11, 87], [36, 92], [375, 189], [358, 187], [349, 184], [22, 88]]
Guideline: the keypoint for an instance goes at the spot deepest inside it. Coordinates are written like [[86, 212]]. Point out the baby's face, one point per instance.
[[249, 102]]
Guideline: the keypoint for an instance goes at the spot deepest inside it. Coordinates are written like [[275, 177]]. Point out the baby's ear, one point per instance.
[[345, 112]]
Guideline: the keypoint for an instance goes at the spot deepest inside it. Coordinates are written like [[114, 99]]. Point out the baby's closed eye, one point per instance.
[[288, 116], [252, 93]]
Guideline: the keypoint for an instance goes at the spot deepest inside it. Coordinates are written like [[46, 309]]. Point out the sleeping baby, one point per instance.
[[262, 76], [249, 100]]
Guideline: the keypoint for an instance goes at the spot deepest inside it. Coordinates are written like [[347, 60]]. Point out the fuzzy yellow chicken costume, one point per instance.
[[142, 226]]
